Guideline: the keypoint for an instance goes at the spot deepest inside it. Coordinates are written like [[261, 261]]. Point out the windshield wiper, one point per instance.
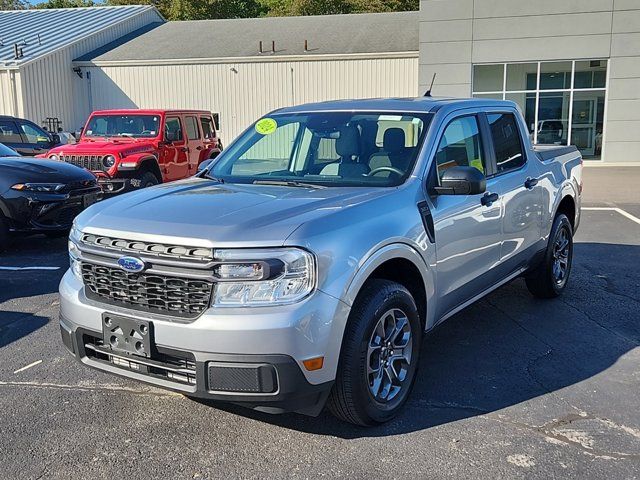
[[215, 179], [288, 183]]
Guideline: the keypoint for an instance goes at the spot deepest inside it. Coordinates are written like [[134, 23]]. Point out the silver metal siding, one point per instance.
[[256, 88]]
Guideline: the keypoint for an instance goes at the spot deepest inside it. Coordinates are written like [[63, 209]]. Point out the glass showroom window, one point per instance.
[[562, 102]]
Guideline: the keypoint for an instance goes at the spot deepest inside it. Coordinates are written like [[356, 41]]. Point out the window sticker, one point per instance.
[[266, 126]]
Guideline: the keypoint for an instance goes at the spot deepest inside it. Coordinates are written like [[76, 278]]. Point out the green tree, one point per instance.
[[65, 4], [12, 5], [332, 7]]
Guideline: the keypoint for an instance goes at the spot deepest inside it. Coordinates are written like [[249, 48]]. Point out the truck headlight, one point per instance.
[[109, 161], [263, 277], [74, 252]]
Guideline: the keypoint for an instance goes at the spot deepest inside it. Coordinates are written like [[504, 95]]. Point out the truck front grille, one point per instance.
[[180, 297], [90, 162], [177, 252]]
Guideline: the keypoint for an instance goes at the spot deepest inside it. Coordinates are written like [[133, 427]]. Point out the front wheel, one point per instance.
[[550, 278], [379, 355], [147, 179], [4, 233]]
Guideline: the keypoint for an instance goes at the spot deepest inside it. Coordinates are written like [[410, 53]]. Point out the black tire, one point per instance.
[[147, 179], [4, 233], [351, 398], [545, 281]]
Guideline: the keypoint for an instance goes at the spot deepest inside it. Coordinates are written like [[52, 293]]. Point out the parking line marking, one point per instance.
[[19, 269], [26, 367], [613, 209]]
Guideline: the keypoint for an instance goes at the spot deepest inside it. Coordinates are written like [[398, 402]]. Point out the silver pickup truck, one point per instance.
[[305, 266]]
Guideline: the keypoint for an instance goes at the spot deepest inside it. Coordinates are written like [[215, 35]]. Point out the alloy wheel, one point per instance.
[[389, 356], [561, 256]]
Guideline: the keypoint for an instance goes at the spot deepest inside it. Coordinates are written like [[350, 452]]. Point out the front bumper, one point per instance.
[[249, 356], [116, 186], [42, 212]]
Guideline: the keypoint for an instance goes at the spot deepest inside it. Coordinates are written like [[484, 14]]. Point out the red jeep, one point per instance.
[[129, 149]]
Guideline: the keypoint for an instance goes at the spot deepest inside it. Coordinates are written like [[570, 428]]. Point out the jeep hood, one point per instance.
[[123, 146], [203, 212]]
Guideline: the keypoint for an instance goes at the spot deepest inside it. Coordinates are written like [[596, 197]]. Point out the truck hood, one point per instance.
[[202, 212], [122, 146]]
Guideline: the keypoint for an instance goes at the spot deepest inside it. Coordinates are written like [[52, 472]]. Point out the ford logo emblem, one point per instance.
[[131, 264]]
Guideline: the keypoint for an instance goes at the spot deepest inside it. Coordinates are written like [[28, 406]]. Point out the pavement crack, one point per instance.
[[450, 405], [89, 388], [604, 327]]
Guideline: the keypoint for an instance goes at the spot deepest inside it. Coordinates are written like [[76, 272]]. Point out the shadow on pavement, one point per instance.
[[34, 251], [510, 348], [16, 325]]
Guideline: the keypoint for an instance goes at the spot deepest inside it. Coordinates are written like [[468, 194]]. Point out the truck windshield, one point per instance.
[[325, 149], [136, 126]]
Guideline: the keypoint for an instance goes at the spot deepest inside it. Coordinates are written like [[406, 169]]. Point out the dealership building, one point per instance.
[[573, 66]]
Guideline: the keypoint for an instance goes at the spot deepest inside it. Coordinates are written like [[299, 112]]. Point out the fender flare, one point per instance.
[[566, 190], [136, 159], [381, 255]]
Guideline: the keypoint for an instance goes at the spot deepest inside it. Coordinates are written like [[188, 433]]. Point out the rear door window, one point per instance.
[[460, 146], [9, 132], [191, 125], [506, 141]]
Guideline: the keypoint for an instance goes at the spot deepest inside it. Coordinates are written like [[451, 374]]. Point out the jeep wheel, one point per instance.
[[4, 233], [379, 355], [550, 278], [147, 179]]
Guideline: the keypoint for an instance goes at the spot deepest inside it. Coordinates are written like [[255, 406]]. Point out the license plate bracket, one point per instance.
[[127, 335]]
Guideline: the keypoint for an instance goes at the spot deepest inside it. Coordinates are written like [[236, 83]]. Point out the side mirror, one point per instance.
[[204, 165], [462, 181]]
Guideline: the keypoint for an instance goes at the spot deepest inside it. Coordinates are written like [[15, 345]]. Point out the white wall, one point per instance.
[[257, 87]]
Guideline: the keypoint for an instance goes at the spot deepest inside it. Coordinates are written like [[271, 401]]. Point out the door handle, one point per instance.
[[530, 183], [489, 199], [185, 149]]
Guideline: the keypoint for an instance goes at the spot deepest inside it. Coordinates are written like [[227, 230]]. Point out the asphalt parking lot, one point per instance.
[[512, 387]]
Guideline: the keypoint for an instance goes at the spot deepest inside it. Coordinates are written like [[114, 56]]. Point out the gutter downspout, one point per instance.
[[13, 94]]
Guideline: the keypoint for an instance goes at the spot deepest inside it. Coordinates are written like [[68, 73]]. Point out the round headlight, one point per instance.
[[109, 161], [54, 158]]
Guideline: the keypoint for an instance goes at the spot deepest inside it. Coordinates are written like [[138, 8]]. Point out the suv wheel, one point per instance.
[[379, 355], [4, 233], [550, 278], [147, 179]]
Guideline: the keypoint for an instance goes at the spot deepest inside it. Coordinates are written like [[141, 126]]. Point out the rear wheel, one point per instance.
[[379, 355], [550, 278], [4, 233]]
